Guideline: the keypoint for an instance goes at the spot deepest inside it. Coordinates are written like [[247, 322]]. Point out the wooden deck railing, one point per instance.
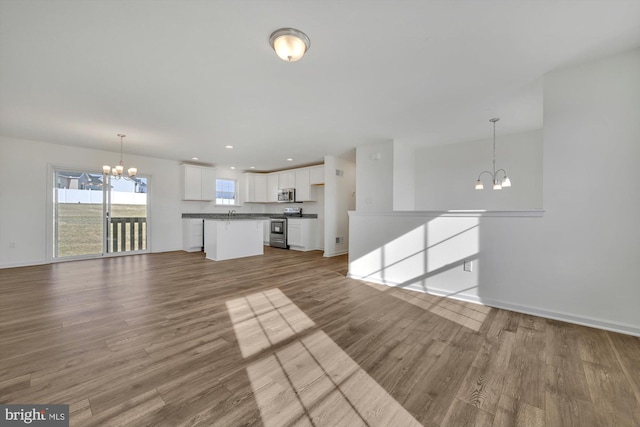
[[127, 234]]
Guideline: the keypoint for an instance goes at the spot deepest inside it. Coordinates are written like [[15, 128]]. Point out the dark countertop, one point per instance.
[[280, 216], [241, 216]]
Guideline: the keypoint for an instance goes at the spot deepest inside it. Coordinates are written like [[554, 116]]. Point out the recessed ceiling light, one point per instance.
[[289, 159], [232, 167], [195, 158], [229, 147], [252, 167]]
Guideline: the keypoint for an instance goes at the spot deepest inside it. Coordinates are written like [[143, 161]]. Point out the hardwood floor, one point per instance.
[[173, 339]]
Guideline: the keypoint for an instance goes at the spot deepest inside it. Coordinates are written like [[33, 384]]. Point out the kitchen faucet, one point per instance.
[[231, 213]]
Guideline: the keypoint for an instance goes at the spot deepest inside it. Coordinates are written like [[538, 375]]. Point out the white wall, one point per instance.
[[23, 220], [591, 237], [374, 177], [339, 199], [404, 180], [579, 261], [446, 175]]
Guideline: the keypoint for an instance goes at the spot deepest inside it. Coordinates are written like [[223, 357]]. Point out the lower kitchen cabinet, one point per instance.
[[192, 234], [302, 234], [266, 232]]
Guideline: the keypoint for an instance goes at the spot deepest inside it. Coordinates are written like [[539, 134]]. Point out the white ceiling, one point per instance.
[[185, 78]]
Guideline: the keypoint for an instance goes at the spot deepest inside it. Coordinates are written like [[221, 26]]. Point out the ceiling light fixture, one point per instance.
[[118, 170], [289, 159], [498, 184], [229, 147], [289, 44]]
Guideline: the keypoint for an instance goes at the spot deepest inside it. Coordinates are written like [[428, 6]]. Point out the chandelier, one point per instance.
[[118, 170], [498, 183]]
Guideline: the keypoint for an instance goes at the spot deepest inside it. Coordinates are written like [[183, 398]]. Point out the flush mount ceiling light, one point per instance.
[[118, 170], [498, 184], [289, 44]]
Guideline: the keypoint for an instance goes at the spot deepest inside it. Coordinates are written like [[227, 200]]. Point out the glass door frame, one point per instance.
[[52, 216]]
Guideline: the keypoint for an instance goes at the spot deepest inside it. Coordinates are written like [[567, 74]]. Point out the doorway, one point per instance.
[[96, 215]]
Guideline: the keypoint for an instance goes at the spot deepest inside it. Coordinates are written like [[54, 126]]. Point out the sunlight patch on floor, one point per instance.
[[466, 314], [266, 318], [310, 381]]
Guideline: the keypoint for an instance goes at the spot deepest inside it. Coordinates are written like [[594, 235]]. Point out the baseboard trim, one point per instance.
[[505, 305], [329, 255], [23, 264]]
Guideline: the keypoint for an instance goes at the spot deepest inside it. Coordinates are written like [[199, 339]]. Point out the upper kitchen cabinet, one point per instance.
[[263, 187], [304, 191], [249, 187], [199, 183], [316, 175], [272, 188], [260, 188], [256, 188], [286, 179]]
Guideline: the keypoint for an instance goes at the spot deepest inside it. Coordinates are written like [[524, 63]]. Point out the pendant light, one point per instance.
[[498, 184], [289, 44], [118, 170]]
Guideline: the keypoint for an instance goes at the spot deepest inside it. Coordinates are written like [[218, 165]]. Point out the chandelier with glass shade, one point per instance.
[[118, 170], [498, 182]]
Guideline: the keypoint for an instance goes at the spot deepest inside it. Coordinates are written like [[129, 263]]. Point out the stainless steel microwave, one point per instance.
[[287, 195]]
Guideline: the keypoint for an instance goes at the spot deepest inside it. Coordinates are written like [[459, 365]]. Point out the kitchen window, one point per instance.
[[226, 192]]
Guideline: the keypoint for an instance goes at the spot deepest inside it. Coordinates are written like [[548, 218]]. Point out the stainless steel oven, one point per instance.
[[278, 225], [278, 233]]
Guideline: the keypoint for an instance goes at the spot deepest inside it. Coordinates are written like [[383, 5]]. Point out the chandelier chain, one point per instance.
[[494, 148]]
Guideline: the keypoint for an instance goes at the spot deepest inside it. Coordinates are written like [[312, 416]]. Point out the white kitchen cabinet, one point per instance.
[[302, 234], [208, 180], [232, 239], [199, 183], [304, 191], [260, 188], [286, 179], [249, 187], [192, 183], [294, 233], [255, 188], [192, 234], [272, 188], [316, 175], [266, 230], [263, 187]]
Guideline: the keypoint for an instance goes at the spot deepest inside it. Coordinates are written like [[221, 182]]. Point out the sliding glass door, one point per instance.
[[126, 219], [96, 214]]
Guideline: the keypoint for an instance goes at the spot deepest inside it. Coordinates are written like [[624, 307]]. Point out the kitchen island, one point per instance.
[[233, 238]]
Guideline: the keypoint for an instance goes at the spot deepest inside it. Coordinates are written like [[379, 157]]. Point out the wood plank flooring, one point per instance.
[[173, 339]]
